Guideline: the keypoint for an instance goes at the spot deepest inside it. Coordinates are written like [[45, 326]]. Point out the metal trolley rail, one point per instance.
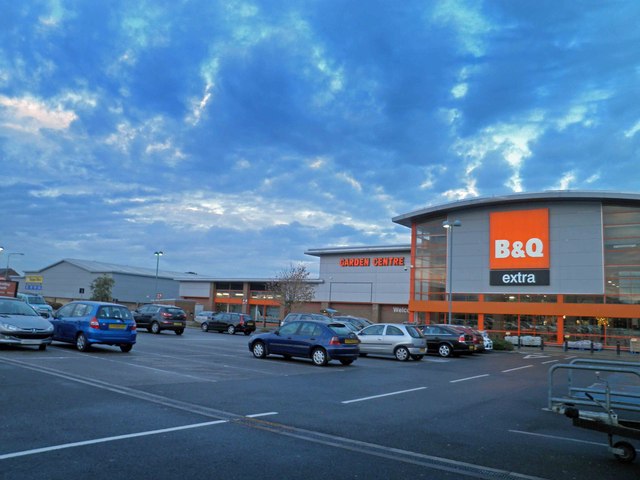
[[593, 404]]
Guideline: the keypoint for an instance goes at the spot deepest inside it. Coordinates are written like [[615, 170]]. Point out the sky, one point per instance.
[[235, 135]]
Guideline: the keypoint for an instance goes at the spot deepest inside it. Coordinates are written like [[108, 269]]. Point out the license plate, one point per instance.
[[179, 324], [117, 326], [472, 347], [350, 340], [30, 342], [422, 350]]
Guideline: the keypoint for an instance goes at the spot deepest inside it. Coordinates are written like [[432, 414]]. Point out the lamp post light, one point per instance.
[[449, 227], [158, 254], [8, 258]]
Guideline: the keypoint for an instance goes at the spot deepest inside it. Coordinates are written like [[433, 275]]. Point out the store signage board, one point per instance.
[[519, 248]]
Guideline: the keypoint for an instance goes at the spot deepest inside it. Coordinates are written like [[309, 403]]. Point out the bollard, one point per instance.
[[591, 347], [518, 342], [566, 345], [542, 344], [618, 347]]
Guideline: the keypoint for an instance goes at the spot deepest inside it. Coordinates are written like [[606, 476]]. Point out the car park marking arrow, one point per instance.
[[536, 355]]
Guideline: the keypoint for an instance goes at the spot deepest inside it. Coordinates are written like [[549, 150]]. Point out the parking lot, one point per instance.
[[200, 406]]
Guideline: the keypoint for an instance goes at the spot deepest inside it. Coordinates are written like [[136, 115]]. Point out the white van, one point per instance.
[[37, 302]]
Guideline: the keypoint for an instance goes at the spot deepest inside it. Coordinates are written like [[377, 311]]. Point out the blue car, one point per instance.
[[319, 341], [87, 322]]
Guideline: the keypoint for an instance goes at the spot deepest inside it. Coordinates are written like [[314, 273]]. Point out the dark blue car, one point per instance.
[[86, 322], [319, 341]]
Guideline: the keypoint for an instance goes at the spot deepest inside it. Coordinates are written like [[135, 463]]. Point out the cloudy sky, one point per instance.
[[235, 135]]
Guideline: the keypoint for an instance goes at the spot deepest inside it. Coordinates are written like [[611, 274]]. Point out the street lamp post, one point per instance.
[[158, 254], [6, 274], [449, 227]]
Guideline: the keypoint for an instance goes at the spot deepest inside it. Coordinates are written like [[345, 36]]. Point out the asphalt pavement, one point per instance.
[[200, 406]]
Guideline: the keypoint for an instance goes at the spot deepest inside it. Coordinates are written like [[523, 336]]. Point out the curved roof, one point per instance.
[[557, 195]]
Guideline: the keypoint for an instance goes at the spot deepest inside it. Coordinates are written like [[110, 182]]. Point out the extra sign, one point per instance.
[[519, 248]]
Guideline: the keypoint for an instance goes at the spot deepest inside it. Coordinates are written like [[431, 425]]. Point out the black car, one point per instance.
[[446, 340], [229, 322], [156, 318]]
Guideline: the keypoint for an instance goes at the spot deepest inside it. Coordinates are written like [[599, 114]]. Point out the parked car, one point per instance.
[[488, 343], [446, 341], [358, 322], [85, 323], [400, 340], [156, 318], [203, 316], [476, 337], [294, 317], [230, 322], [317, 340], [38, 303], [20, 324]]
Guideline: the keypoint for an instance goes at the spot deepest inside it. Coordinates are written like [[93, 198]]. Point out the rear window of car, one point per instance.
[[414, 332], [175, 311], [340, 329], [109, 311]]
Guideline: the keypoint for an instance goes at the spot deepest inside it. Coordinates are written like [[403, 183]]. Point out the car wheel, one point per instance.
[[81, 342], [204, 327], [149, 329], [179, 331], [259, 350], [42, 347], [319, 357], [346, 361], [231, 329], [417, 357], [402, 354], [126, 347], [155, 327], [444, 350]]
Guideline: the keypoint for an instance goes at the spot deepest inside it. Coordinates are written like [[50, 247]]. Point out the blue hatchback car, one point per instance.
[[87, 322], [319, 341]]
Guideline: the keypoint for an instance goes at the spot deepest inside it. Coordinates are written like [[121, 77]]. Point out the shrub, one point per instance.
[[501, 344]]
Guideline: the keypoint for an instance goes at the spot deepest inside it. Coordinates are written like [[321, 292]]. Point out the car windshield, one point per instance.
[[15, 307], [340, 328], [175, 311], [36, 300]]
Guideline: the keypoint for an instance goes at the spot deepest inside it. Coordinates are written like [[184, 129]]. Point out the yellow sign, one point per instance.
[[33, 278]]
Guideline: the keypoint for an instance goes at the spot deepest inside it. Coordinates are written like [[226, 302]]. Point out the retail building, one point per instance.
[[560, 265]]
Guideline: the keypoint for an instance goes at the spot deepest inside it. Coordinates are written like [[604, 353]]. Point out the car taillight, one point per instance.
[[134, 326], [241, 322], [94, 323], [166, 315], [334, 341], [461, 339]]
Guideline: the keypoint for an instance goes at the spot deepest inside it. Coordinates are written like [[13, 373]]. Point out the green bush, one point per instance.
[[501, 344]]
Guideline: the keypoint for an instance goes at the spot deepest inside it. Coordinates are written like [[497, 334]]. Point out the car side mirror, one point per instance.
[[277, 332]]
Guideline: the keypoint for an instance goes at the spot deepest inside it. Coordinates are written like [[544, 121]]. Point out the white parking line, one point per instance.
[[256, 415], [558, 438], [518, 368], [550, 361], [469, 378], [383, 395], [107, 439]]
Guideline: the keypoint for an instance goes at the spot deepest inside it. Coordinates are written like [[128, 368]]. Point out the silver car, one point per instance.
[[20, 324], [399, 340]]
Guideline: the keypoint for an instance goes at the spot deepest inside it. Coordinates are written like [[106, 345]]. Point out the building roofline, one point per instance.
[[408, 219], [318, 252]]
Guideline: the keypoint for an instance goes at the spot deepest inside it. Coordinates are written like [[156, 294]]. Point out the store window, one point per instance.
[[430, 261], [621, 254]]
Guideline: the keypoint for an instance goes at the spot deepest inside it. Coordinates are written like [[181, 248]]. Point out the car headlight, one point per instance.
[[9, 327], [49, 328]]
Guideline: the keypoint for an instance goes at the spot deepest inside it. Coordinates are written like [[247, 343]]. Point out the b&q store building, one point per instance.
[[547, 264]]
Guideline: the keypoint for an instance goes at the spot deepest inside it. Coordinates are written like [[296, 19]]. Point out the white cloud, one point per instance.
[[459, 90], [633, 130], [467, 21], [565, 182], [345, 177], [32, 115]]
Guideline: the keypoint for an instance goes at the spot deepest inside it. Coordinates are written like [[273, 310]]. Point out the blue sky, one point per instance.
[[235, 135]]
